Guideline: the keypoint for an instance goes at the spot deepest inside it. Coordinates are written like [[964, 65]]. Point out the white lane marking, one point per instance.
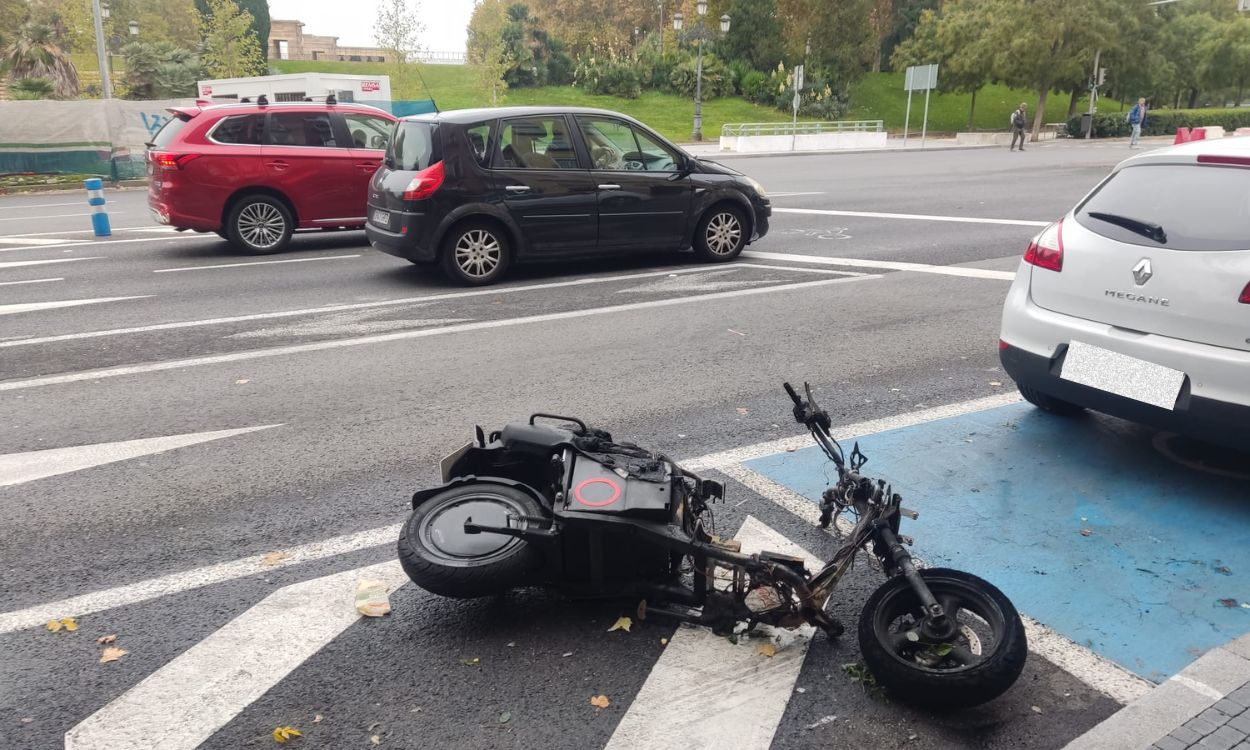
[[806, 270], [358, 323], [26, 206], [29, 281], [704, 281], [185, 702], [913, 217], [36, 306], [1201, 688], [352, 306], [19, 468], [281, 351], [25, 241], [81, 243], [20, 263], [174, 583], [705, 691], [51, 216], [92, 231], [252, 263], [1098, 672], [788, 195], [894, 265]]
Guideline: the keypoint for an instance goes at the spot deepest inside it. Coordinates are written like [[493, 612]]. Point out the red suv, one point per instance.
[[254, 173]]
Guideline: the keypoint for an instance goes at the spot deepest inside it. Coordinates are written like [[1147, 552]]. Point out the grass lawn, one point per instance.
[[877, 96]]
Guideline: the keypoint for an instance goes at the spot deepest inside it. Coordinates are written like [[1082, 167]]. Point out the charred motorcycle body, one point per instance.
[[568, 508]]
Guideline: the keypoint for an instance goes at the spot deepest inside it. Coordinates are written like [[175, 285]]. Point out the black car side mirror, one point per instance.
[[684, 167]]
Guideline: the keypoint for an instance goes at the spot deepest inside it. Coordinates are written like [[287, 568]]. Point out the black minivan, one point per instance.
[[476, 190]]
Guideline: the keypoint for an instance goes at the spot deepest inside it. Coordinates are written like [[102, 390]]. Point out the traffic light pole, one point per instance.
[[1093, 95]]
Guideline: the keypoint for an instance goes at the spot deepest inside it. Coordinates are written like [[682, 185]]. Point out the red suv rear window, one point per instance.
[[169, 131]]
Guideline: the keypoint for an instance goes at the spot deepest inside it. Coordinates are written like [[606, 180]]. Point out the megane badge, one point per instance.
[[1142, 271]]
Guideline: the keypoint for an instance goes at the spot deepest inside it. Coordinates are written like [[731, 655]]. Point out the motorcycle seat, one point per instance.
[[534, 438]]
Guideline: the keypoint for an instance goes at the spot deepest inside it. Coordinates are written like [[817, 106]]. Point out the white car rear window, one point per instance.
[[1196, 207]]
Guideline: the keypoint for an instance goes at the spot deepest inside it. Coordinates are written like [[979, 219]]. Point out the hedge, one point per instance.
[[1163, 121]]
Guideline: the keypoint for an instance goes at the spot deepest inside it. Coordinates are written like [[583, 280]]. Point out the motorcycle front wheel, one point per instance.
[[441, 558], [979, 663]]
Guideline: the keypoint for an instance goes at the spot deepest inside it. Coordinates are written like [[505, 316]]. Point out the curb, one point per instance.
[[1193, 691], [63, 187], [887, 150]]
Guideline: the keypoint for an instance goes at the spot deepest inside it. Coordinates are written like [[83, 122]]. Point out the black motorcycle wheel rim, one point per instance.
[[981, 627], [442, 534]]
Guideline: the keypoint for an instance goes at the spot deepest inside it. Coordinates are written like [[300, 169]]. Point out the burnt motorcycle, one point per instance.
[[568, 507]]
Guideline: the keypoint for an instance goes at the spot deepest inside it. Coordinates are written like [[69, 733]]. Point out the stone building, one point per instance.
[[287, 41]]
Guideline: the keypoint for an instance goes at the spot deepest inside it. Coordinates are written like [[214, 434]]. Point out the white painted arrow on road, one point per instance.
[[706, 281], [35, 306], [17, 468]]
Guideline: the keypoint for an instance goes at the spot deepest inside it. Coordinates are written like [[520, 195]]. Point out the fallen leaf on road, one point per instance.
[[1036, 709], [742, 410], [767, 649], [567, 654], [112, 653], [371, 599], [282, 734], [27, 719], [995, 382], [622, 623], [663, 641], [241, 381], [1228, 602], [105, 640], [376, 740], [1224, 570], [600, 701], [473, 662], [69, 624], [1086, 532], [54, 625], [273, 558], [505, 717]]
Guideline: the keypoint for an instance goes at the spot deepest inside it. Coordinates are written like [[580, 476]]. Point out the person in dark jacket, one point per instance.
[[1019, 120], [1137, 118]]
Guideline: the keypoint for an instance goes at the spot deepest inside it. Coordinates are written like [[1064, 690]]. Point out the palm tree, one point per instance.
[[35, 52]]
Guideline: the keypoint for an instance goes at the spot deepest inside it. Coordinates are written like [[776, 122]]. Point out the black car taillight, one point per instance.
[[424, 183]]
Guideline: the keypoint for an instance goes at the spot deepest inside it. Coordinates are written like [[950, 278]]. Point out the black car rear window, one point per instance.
[[1198, 207], [169, 131], [414, 147]]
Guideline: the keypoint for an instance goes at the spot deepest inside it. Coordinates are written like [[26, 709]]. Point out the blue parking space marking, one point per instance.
[[1160, 576]]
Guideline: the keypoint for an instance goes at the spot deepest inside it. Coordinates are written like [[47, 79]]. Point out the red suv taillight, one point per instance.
[[1245, 296], [173, 161], [424, 183], [1047, 250]]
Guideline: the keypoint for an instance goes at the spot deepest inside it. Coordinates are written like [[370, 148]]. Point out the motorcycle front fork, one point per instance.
[[937, 625]]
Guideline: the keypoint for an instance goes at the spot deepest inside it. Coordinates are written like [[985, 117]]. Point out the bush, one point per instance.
[[1163, 121], [822, 96], [754, 85], [614, 76], [32, 88], [717, 81]]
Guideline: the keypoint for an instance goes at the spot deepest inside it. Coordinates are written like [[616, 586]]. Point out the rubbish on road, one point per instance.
[[505, 717], [375, 739], [105, 640], [822, 721], [1230, 603], [566, 654], [1036, 709], [317, 719], [371, 599], [600, 701], [273, 558], [767, 649], [622, 623], [471, 662], [112, 653], [739, 333], [282, 734], [65, 623], [663, 641]]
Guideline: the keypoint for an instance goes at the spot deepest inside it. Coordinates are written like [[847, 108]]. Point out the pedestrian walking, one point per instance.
[[1019, 119], [1137, 118]]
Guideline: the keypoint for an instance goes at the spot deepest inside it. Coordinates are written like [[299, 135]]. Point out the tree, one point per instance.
[[35, 52], [259, 9], [230, 50], [840, 35], [755, 34], [397, 30], [160, 70], [487, 50], [1226, 57], [589, 27]]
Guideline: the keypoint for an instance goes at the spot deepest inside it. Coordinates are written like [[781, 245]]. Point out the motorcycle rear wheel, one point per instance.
[[441, 558], [979, 664]]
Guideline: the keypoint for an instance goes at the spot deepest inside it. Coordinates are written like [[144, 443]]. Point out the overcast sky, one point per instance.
[[352, 20]]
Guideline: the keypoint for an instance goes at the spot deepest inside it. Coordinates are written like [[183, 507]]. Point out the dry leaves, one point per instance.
[[371, 598], [273, 558], [317, 719], [65, 623], [663, 641], [600, 701], [282, 734], [767, 649], [105, 640], [622, 623], [112, 653], [473, 662], [375, 739], [1086, 532]]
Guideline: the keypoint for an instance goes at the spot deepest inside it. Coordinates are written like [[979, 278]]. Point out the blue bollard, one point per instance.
[[95, 199]]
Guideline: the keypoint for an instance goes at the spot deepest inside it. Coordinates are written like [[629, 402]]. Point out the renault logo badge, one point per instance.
[[1142, 271]]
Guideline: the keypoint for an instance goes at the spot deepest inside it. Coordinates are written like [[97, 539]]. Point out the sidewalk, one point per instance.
[[711, 148], [1206, 706]]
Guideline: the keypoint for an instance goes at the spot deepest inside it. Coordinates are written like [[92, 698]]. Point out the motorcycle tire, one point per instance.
[[980, 664], [441, 558]]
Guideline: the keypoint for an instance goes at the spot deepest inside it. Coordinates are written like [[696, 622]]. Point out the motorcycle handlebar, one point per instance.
[[794, 396]]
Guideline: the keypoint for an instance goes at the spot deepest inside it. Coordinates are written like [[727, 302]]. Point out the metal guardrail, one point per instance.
[[733, 130]]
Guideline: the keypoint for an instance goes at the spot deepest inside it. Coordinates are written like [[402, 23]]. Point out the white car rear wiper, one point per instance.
[[1144, 228]]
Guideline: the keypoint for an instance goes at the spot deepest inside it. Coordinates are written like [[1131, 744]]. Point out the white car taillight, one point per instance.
[[1047, 250]]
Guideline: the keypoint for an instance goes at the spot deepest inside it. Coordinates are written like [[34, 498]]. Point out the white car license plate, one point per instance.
[[382, 218], [1122, 375]]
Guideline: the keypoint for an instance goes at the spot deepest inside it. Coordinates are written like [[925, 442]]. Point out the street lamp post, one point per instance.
[[699, 32], [98, 15]]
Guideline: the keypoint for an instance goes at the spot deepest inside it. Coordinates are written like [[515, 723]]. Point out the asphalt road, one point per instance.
[[354, 373]]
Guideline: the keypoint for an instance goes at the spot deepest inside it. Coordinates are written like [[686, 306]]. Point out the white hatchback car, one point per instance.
[[1137, 302]]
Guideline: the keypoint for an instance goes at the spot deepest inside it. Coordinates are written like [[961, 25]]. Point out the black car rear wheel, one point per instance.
[[476, 253], [721, 234], [260, 224]]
